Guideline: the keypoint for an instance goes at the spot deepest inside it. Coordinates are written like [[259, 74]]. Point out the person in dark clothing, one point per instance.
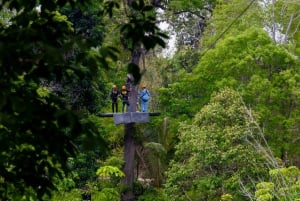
[[124, 98], [114, 93]]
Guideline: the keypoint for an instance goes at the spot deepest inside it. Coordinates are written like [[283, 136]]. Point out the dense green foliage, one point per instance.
[[38, 128], [283, 185], [229, 100], [214, 156]]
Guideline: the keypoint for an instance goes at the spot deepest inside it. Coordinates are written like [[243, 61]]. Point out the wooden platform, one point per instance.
[[130, 117]]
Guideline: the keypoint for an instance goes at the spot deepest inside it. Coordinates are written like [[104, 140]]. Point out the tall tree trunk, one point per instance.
[[129, 141], [274, 25], [129, 155]]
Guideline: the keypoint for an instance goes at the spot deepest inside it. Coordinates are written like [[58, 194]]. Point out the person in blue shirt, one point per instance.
[[144, 97]]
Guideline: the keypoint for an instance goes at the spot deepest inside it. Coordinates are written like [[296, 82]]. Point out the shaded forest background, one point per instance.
[[228, 93]]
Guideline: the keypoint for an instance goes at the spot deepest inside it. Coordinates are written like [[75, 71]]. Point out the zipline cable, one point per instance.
[[229, 26]]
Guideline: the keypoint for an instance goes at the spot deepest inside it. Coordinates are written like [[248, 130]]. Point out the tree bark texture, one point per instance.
[[129, 141], [129, 156]]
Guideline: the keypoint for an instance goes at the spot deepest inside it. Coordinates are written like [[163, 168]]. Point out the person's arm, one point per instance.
[[142, 94]]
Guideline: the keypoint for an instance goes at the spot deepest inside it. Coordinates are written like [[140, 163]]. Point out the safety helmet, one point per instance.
[[114, 86], [123, 87], [144, 86]]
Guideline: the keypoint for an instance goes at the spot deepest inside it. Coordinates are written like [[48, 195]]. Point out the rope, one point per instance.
[[229, 26]]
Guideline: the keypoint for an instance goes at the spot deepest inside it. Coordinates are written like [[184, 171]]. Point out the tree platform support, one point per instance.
[[130, 117]]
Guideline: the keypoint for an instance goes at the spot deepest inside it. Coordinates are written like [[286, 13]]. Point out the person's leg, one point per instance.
[[112, 107], [123, 106], [116, 107], [127, 106], [146, 106], [143, 106]]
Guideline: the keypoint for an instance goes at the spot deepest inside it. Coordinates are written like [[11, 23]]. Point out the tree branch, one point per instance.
[[191, 12]]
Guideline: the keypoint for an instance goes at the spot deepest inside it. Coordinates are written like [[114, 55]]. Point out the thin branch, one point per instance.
[[288, 28], [191, 12]]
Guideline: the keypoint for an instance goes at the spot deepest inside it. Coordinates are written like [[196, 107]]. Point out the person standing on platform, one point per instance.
[[144, 97], [124, 98], [114, 93]]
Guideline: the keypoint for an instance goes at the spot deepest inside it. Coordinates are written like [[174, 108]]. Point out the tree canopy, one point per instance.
[[228, 100], [38, 127]]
